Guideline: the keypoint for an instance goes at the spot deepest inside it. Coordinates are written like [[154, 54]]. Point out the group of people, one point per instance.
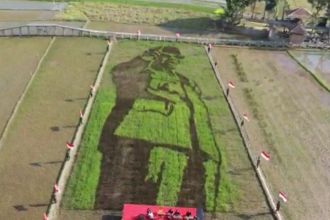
[[169, 215]]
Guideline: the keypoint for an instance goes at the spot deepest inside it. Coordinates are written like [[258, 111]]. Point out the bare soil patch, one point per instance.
[[18, 60], [35, 146], [290, 119]]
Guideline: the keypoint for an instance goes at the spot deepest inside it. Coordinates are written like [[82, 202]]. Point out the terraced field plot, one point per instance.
[[18, 60], [291, 119], [34, 149], [161, 132], [317, 62]]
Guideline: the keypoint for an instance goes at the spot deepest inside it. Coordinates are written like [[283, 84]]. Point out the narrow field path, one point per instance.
[[35, 145]]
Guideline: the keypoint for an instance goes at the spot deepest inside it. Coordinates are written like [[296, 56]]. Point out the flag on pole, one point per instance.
[[56, 188], [283, 196], [265, 155], [81, 114], [231, 85], [45, 216], [245, 116], [70, 146], [93, 88]]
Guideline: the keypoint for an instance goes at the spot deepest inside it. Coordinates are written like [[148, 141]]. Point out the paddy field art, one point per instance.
[[161, 132]]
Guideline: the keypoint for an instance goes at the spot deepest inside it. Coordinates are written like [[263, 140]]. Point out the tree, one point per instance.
[[318, 5], [235, 9], [253, 4], [269, 6]]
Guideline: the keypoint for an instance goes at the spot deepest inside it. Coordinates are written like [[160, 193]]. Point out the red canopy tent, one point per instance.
[[132, 211]]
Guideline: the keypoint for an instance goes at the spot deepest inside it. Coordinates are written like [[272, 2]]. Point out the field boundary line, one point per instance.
[[318, 79], [247, 145], [53, 208], [21, 98]]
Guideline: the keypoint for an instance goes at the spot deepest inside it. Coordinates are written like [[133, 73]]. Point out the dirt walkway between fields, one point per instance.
[[35, 146], [290, 119], [153, 29]]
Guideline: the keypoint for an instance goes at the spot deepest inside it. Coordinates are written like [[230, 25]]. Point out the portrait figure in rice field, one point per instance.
[[157, 142]]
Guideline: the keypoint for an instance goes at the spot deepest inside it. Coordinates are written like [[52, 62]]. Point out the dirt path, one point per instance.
[[293, 124], [34, 149], [153, 29]]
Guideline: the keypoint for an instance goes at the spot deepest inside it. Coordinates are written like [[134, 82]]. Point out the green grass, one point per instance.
[[146, 121], [80, 193], [216, 129], [147, 4], [204, 132], [170, 166]]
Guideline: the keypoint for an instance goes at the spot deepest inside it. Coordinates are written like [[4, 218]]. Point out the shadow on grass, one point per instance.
[[253, 216], [75, 99], [39, 164]]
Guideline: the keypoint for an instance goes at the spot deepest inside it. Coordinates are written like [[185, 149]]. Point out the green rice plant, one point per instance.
[[169, 166], [204, 132], [80, 193], [239, 68], [147, 121]]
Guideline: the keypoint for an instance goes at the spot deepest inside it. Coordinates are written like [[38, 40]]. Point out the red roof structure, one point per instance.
[[133, 211], [299, 13]]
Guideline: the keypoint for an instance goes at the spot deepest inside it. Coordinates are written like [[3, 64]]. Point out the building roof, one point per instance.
[[299, 30], [300, 13]]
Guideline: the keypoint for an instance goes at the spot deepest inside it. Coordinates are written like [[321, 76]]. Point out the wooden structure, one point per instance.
[[297, 34]]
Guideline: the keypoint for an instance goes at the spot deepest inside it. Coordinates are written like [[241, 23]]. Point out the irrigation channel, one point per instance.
[[47, 30]]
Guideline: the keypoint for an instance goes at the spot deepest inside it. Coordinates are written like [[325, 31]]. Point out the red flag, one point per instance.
[[265, 155], [45, 216], [81, 114], [177, 35], [231, 85], [245, 116], [283, 196], [70, 146], [56, 188]]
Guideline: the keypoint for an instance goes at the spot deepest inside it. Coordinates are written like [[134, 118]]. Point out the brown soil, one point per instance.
[[125, 161], [32, 154], [290, 119]]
